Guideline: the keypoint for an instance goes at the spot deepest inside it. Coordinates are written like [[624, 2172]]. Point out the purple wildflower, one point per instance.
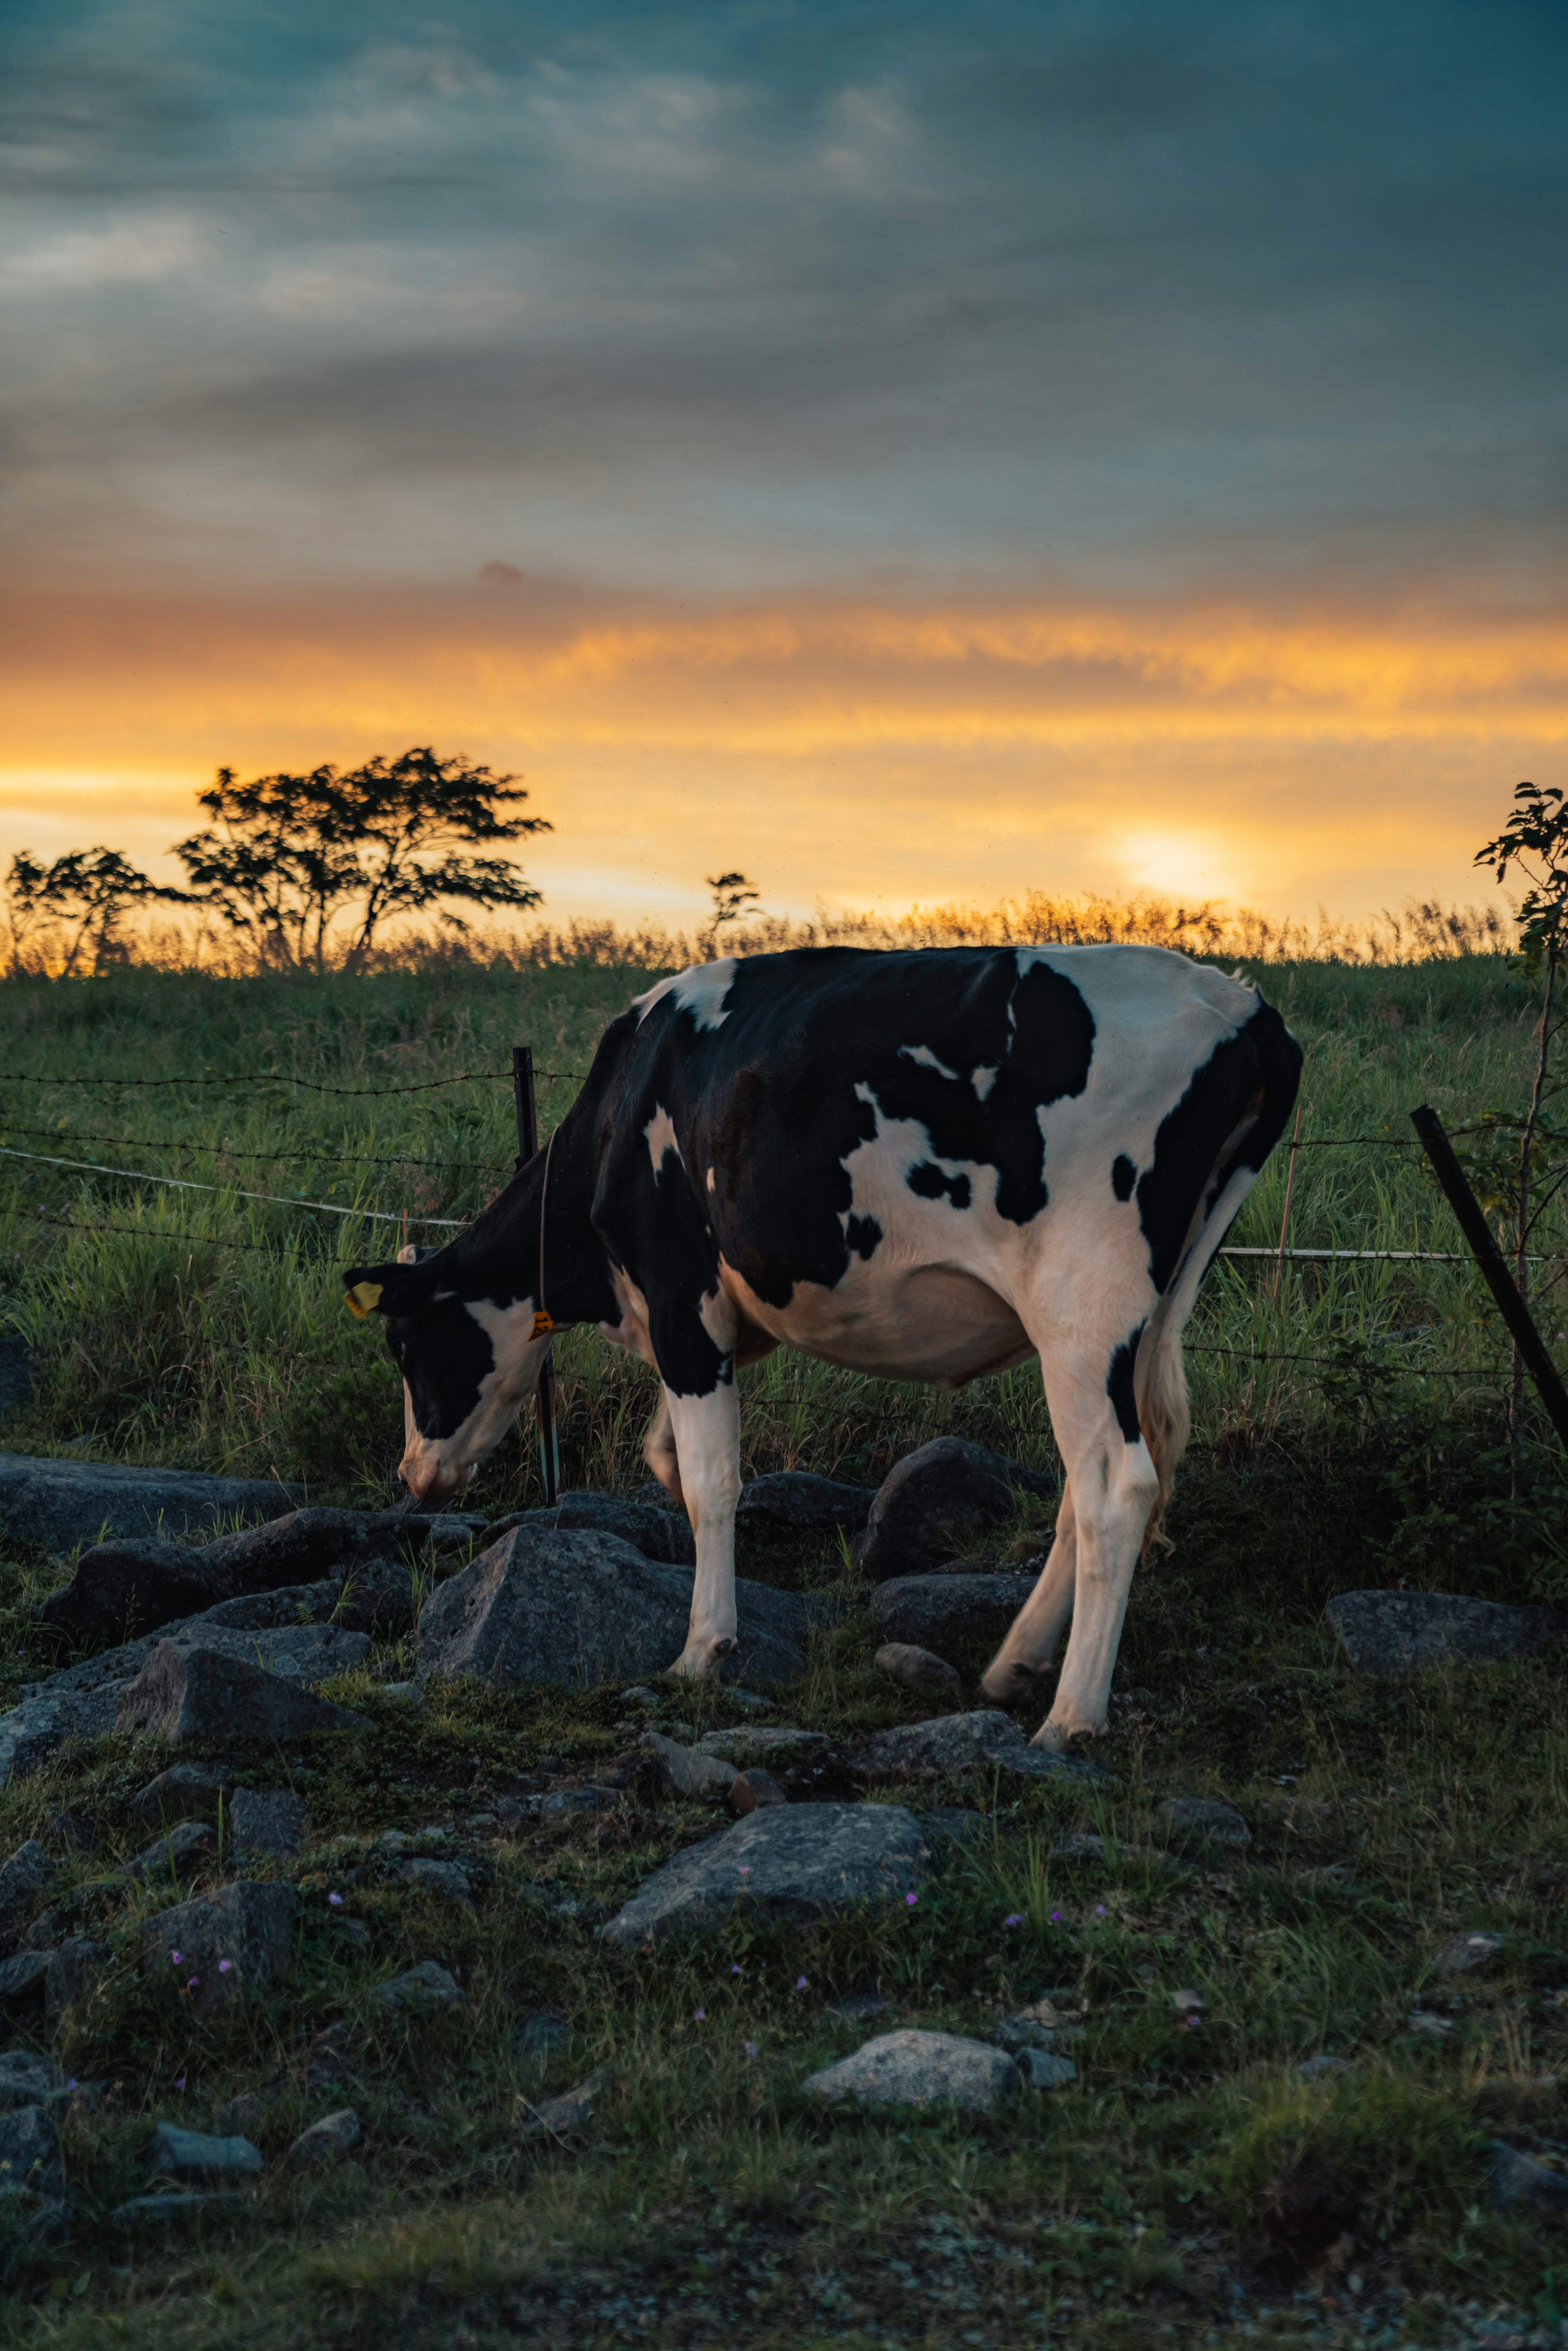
[[702, 2016], [224, 1966], [749, 2047], [194, 1982], [910, 1900], [336, 1900], [1014, 1918], [175, 1957], [799, 1983]]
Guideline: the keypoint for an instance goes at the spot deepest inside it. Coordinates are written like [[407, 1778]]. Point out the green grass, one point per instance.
[[1190, 2184]]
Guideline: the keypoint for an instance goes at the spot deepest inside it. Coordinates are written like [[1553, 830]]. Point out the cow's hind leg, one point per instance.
[[1016, 1673], [707, 1432], [659, 1450]]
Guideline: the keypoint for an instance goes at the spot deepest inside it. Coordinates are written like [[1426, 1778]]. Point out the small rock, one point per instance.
[[440, 1877], [248, 1925], [558, 2118], [917, 1669], [188, 1847], [986, 1740], [25, 2080], [1082, 1845], [1043, 2072], [1394, 1632], [803, 1502], [1422, 2020], [76, 1967], [31, 2163], [686, 1770], [562, 1802], [22, 1978], [163, 2210], [935, 1611], [772, 1740], [332, 2136], [1518, 2179], [934, 1497], [752, 1700], [401, 1693], [793, 1862], [45, 1931], [177, 2154], [425, 1985], [922, 2069], [1024, 2031], [72, 1831], [1187, 2003], [184, 1694], [270, 1820], [638, 1696], [749, 1791], [539, 2035], [1321, 2068], [1204, 1816], [1467, 1951], [22, 1879], [185, 1791]]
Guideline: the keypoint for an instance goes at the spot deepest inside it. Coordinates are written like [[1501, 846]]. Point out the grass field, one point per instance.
[[1190, 2184]]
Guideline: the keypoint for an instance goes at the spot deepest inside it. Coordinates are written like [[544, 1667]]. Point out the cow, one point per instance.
[[926, 1165]]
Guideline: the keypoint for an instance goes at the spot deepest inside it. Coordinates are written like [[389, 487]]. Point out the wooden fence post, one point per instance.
[[527, 1144]]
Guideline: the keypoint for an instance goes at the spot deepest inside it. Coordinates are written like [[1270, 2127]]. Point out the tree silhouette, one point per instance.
[[731, 894], [86, 891], [285, 855]]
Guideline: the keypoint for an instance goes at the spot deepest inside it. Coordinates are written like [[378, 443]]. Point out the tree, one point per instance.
[[88, 891], [285, 855], [731, 894]]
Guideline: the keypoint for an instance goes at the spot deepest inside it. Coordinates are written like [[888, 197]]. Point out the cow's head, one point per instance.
[[469, 1358]]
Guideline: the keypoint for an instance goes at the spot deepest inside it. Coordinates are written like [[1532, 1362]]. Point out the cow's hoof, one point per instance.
[[699, 1659], [1060, 1737], [1014, 1684]]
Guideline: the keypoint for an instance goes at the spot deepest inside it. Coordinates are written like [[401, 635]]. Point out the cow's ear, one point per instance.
[[386, 1288]]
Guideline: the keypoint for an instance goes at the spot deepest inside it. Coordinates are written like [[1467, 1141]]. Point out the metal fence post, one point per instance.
[[527, 1145]]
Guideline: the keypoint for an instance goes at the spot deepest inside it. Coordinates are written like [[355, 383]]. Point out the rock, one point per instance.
[[180, 1852], [561, 1801], [184, 1694], [76, 1967], [185, 1790], [917, 1669], [1204, 1816], [748, 1791], [1079, 1844], [772, 1740], [270, 1820], [401, 1693], [953, 1822], [324, 2141], [22, 1978], [443, 1878], [1321, 2068], [381, 1597], [1025, 2030], [933, 1612], [425, 1985], [70, 1830], [804, 1503], [558, 2118], [539, 2035], [934, 1497], [1187, 2003], [17, 1375], [177, 2154], [922, 2069], [986, 1740], [638, 1696], [31, 2163], [59, 1504], [22, 1880], [792, 1862], [1467, 1951], [657, 1534], [539, 1606], [26, 2079], [1392, 1631], [164, 2209], [1518, 2179], [1041, 2071], [686, 1770], [248, 1925]]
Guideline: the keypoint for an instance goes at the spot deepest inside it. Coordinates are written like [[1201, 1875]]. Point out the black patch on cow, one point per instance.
[[1256, 1072], [861, 1235], [442, 1355], [933, 1183], [1124, 1175], [1119, 1386]]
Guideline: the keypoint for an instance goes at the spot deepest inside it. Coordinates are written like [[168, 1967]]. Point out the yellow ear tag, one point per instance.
[[363, 1296], [543, 1323]]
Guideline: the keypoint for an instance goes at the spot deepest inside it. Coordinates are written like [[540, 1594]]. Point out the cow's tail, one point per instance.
[[1159, 1375]]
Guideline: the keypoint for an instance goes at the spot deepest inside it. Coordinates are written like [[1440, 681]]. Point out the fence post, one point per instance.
[[527, 1144], [1489, 1258]]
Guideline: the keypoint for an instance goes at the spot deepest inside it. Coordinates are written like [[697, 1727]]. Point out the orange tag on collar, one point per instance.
[[543, 1323]]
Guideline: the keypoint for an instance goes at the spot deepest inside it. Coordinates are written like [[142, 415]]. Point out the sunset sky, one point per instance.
[[908, 453]]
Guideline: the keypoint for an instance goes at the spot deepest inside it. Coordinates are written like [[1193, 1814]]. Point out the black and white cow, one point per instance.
[[927, 1166]]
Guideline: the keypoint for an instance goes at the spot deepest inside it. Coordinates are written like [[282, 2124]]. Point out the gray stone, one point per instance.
[[750, 1790], [561, 1801], [922, 2069], [1204, 1816], [76, 1967], [686, 1770], [59, 1504], [558, 2118], [191, 1694], [1392, 1631], [402, 1693], [1518, 2179], [45, 1931], [933, 1612], [936, 1496], [31, 2163], [791, 1862], [1041, 2071], [775, 1741], [188, 1847], [917, 1669], [539, 2036], [249, 1924], [163, 2210], [1024, 2031], [27, 2079], [1467, 1951], [539, 1606], [185, 1791], [985, 1739], [326, 2140], [425, 1985], [1321, 2068], [658, 1534], [804, 1503], [441, 1879], [22, 1978], [269, 1820], [177, 2154], [22, 1880]]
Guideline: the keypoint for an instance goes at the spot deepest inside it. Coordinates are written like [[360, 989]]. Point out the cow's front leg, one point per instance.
[[707, 1442]]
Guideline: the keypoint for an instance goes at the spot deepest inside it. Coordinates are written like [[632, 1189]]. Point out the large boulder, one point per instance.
[[803, 1503], [540, 1606], [185, 1695], [789, 1862], [1392, 1631], [664, 1535], [220, 1946], [982, 1740], [59, 1504], [937, 1612], [935, 1498]]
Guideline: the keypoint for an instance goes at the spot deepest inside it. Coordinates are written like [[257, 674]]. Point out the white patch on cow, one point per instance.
[[660, 1132], [434, 1466], [701, 991], [710, 1181], [927, 1060], [983, 1080]]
